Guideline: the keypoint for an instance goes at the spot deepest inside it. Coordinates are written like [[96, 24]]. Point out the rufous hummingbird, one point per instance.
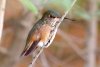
[[42, 33]]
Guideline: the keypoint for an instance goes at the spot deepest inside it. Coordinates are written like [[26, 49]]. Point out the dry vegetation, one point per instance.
[[67, 50]]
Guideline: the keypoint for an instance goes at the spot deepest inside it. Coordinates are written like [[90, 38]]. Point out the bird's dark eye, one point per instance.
[[51, 16]]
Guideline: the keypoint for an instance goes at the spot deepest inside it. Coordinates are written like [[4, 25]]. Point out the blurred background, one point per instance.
[[77, 43]]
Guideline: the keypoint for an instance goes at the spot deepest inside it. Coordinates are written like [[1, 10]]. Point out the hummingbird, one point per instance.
[[42, 33]]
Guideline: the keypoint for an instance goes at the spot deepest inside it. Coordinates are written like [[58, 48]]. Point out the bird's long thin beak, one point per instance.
[[70, 19]]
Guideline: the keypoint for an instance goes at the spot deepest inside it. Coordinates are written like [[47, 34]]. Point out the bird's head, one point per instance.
[[51, 17]]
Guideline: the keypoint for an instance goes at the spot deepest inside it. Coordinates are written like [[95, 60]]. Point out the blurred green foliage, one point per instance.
[[28, 4], [59, 5], [62, 5]]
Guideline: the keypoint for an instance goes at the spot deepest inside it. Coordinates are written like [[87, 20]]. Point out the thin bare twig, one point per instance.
[[2, 11], [35, 57]]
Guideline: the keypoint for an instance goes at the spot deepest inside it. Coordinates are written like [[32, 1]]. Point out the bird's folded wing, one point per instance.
[[31, 44]]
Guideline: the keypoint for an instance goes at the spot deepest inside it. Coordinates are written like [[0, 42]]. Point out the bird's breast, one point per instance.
[[45, 32]]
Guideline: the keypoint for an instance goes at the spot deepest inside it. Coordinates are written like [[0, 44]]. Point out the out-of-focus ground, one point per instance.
[[60, 54]]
